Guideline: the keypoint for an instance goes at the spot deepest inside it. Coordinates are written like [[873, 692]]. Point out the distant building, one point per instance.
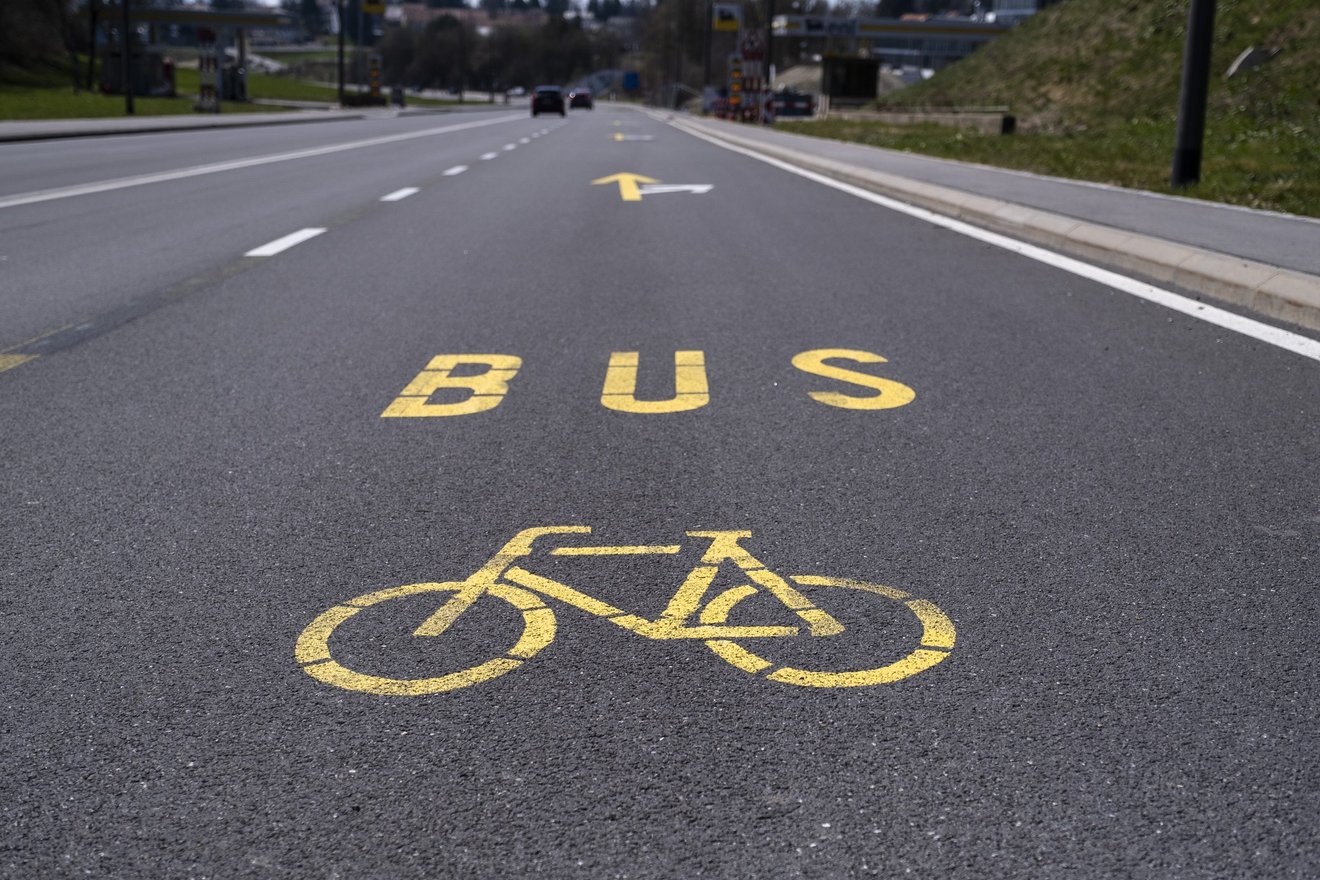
[[1011, 12]]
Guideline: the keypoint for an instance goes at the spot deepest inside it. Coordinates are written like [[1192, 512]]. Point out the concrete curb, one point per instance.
[[17, 131], [1279, 293], [56, 129]]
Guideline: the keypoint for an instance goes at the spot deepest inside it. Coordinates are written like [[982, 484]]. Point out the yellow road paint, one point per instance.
[[937, 631], [628, 189], [691, 390], [616, 551], [889, 394], [526, 591], [313, 648], [9, 361], [918, 661], [488, 388]]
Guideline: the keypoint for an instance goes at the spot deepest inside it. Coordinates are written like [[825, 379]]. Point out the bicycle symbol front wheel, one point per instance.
[[313, 651], [937, 638]]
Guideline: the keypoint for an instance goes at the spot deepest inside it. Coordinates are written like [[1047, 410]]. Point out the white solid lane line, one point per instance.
[[1275, 336], [457, 169], [486, 157], [283, 244], [400, 194], [198, 170]]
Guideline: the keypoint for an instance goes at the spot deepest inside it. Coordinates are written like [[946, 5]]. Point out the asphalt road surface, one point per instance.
[[908, 556]]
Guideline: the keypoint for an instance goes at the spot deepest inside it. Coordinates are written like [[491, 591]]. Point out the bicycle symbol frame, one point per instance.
[[689, 615]]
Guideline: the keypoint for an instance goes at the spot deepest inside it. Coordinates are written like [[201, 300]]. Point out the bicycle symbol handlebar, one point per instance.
[[689, 615]]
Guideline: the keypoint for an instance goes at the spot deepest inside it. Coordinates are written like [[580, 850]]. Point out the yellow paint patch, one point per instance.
[[937, 632], [629, 190], [313, 653], [616, 551], [9, 361], [691, 390], [889, 394], [487, 388]]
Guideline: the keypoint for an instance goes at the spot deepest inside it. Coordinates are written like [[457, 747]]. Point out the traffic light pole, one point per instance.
[[126, 58], [339, 11], [1195, 86]]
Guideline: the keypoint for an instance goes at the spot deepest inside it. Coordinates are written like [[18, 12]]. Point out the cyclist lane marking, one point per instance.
[[690, 614]]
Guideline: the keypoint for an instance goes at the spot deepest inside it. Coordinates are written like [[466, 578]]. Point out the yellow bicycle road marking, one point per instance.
[[616, 551], [938, 633], [689, 615], [313, 651]]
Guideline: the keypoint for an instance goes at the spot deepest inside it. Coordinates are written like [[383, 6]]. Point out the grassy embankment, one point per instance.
[[1095, 86], [49, 94]]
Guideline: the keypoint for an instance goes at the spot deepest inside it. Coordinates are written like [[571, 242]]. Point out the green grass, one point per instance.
[[1277, 170], [50, 95], [18, 102], [1095, 85]]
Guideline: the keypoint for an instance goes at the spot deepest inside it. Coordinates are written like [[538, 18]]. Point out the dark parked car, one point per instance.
[[580, 97], [789, 103], [548, 99]]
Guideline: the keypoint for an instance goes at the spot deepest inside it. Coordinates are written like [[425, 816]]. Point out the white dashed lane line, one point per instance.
[[283, 244], [400, 194]]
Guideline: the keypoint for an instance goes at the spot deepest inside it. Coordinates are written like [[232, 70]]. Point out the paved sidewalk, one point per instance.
[[1265, 261]]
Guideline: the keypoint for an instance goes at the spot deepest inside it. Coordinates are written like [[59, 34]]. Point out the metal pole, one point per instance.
[[126, 61], [705, 47], [1195, 85], [769, 43], [92, 9], [339, 10], [358, 56]]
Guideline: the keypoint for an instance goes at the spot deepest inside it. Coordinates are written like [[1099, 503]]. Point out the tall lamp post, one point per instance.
[[1195, 85], [339, 11], [126, 59]]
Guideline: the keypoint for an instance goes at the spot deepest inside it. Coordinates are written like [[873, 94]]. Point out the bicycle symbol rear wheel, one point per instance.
[[313, 648], [937, 639]]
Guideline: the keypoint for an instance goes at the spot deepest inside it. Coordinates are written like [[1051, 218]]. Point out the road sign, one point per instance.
[[727, 17], [752, 48]]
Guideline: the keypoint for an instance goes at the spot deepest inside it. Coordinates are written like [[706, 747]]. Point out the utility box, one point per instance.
[[848, 80], [153, 72]]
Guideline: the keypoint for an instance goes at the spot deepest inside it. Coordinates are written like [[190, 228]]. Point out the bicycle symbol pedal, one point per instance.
[[692, 613]]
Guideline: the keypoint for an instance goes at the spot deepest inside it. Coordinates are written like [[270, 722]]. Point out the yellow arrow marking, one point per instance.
[[618, 135], [627, 182]]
